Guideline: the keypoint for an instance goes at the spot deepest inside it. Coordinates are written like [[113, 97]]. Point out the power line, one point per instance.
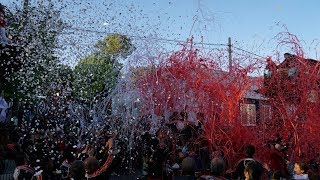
[[144, 37], [161, 39], [248, 52]]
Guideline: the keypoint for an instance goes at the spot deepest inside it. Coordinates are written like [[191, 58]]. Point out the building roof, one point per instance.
[[293, 60]]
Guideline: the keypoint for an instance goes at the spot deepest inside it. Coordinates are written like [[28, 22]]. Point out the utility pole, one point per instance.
[[230, 54], [25, 11], [25, 4]]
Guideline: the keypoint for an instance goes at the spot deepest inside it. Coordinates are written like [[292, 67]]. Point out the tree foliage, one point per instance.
[[97, 74], [36, 29], [93, 75], [116, 45]]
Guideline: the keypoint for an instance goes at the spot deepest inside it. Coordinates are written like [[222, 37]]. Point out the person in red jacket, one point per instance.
[[277, 160], [3, 37]]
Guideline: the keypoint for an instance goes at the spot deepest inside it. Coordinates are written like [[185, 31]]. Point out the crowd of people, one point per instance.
[[43, 149], [39, 149], [44, 153]]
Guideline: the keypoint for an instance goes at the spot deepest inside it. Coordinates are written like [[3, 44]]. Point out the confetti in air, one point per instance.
[[76, 74]]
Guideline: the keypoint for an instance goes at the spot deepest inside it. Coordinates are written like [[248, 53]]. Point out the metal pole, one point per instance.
[[230, 54], [25, 4], [25, 12]]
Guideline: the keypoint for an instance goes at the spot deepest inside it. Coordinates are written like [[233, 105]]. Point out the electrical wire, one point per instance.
[[160, 39]]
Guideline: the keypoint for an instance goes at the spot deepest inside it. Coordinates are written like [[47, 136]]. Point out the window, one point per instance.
[[291, 110], [265, 113], [292, 71], [248, 114], [313, 96]]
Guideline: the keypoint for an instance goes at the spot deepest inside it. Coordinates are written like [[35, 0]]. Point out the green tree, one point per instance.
[[116, 45], [36, 29], [97, 74]]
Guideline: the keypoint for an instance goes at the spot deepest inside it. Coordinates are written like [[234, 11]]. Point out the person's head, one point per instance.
[[188, 166], [77, 170], [181, 156], [10, 152], [250, 150], [67, 155], [300, 168], [278, 147], [24, 173], [217, 166], [91, 164], [312, 175], [47, 164], [252, 170], [276, 175], [21, 159]]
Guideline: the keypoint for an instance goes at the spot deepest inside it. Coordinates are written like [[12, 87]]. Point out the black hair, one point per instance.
[[77, 170], [276, 175], [20, 158], [217, 166], [67, 154], [303, 166], [254, 169], [250, 150]]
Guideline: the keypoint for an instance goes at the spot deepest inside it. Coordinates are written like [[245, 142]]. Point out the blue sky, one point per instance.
[[249, 22], [252, 24]]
